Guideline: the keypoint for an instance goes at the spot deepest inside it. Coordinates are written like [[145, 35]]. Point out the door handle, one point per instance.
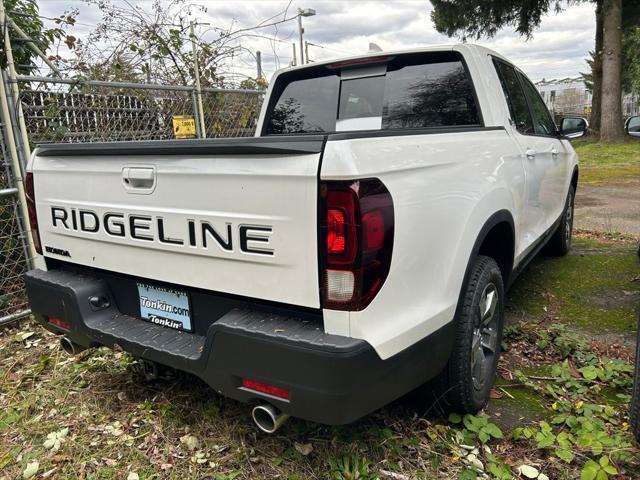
[[139, 179], [530, 153], [554, 152]]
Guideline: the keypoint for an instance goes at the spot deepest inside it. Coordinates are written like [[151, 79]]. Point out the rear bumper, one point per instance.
[[331, 379]]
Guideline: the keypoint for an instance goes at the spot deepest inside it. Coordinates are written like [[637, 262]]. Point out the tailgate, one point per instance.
[[232, 215]]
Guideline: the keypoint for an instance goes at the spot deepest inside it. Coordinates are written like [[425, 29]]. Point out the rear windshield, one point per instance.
[[409, 91]]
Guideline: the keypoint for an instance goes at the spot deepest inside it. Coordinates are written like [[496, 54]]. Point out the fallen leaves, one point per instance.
[[303, 448], [55, 439], [22, 336], [495, 395], [528, 471], [190, 441], [114, 429], [31, 469]]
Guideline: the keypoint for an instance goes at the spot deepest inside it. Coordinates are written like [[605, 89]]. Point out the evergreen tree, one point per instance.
[[484, 18]]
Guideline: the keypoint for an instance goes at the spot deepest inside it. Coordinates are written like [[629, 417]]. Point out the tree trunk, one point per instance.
[[611, 115], [596, 74]]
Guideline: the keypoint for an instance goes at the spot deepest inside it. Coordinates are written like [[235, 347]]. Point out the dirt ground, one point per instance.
[[611, 207]]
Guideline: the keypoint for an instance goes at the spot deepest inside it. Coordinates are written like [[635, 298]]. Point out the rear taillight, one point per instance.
[[336, 235], [265, 388], [357, 231], [31, 209], [58, 322]]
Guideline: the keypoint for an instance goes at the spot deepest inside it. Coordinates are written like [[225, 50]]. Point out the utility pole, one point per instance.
[[306, 52], [306, 12], [301, 32], [294, 62], [259, 63], [196, 69]]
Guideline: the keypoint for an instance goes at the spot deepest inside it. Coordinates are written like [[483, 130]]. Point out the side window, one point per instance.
[[542, 121], [306, 106], [518, 107], [437, 94]]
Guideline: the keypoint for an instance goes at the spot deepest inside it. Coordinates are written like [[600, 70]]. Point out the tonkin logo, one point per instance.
[[166, 322]]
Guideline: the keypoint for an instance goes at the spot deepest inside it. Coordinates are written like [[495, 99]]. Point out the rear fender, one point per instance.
[[479, 223]]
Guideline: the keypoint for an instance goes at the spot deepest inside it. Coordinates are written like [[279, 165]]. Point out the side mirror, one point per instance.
[[632, 126], [573, 127]]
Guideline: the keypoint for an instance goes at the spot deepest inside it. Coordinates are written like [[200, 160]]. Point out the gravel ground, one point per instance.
[[611, 207]]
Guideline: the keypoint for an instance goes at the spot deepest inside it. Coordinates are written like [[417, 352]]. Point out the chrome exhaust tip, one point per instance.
[[70, 347], [268, 418]]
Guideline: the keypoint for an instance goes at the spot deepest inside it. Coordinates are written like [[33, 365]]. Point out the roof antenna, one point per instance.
[[374, 47]]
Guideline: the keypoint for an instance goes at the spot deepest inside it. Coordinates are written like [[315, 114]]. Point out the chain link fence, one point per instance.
[[14, 259], [67, 111], [64, 110], [231, 113]]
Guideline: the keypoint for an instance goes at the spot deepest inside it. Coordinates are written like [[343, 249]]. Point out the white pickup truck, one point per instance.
[[357, 247]]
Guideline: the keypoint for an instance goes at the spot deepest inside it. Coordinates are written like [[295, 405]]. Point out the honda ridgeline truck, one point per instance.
[[357, 247]]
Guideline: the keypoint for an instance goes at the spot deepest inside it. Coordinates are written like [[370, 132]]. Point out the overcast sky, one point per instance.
[[558, 49]]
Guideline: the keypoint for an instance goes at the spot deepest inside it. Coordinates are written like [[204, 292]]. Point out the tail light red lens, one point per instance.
[[340, 223], [265, 388], [357, 224], [58, 322], [31, 209], [373, 230], [335, 231]]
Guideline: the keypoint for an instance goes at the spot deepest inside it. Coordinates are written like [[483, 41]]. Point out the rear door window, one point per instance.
[[407, 91], [516, 99], [543, 123], [438, 94]]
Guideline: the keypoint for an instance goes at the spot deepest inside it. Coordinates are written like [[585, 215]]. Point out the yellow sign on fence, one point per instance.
[[184, 126]]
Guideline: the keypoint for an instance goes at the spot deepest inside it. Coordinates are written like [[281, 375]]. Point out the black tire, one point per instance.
[[560, 243], [467, 388]]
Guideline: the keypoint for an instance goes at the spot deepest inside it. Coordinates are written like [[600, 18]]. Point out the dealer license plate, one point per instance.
[[165, 306]]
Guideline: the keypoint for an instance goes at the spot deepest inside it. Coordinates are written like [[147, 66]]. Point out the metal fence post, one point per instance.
[[22, 138], [196, 68], [196, 114], [15, 166]]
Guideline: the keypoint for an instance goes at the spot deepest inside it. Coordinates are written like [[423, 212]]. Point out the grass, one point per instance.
[[594, 289], [176, 428], [600, 162]]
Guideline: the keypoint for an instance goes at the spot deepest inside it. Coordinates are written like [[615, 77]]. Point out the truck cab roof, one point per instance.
[[466, 49]]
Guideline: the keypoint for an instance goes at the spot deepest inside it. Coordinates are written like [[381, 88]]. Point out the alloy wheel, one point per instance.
[[484, 345], [568, 219]]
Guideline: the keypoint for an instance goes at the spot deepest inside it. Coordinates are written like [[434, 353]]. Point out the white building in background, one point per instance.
[[570, 96], [566, 95], [631, 104]]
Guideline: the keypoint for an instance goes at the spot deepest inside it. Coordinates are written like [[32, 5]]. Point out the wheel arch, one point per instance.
[[574, 178], [496, 238]]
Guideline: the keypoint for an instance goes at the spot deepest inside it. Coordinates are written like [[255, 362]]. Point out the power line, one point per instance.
[[333, 49]]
